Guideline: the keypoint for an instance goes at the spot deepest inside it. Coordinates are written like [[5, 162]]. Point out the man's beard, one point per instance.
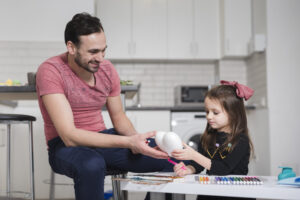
[[85, 66]]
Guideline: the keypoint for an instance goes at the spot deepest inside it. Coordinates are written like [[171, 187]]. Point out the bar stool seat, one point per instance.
[[10, 119]]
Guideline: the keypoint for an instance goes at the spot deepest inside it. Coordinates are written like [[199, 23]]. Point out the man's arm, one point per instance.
[[61, 115], [119, 119]]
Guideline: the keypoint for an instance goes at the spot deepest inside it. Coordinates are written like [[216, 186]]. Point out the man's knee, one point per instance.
[[92, 166]]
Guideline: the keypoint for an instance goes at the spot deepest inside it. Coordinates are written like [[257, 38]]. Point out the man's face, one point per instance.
[[91, 51]]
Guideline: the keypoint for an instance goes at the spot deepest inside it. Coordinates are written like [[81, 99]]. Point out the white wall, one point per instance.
[[283, 70], [38, 20], [258, 123]]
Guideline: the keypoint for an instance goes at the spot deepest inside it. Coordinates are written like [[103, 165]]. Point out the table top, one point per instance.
[[28, 92], [268, 190]]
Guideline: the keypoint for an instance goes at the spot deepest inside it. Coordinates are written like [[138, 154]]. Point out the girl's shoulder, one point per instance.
[[243, 137], [243, 140]]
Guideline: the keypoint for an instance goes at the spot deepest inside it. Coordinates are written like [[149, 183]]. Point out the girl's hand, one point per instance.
[[181, 169], [184, 154]]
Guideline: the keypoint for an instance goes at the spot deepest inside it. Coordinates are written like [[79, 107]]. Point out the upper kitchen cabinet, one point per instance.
[[193, 29], [134, 29], [149, 29], [236, 28], [115, 16]]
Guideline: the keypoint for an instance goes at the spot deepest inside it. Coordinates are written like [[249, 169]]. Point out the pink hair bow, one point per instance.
[[242, 91]]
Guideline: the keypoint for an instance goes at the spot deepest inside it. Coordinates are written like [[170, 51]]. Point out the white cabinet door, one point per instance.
[[106, 119], [115, 16], [180, 29], [236, 27], [149, 29], [145, 121], [207, 29], [193, 29], [134, 28]]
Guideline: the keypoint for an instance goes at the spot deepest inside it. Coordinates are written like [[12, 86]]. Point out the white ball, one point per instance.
[[159, 137], [168, 141]]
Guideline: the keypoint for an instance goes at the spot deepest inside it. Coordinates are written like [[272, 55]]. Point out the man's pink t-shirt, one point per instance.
[[55, 76]]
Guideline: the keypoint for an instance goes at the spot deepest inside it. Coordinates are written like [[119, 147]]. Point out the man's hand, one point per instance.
[[138, 144]]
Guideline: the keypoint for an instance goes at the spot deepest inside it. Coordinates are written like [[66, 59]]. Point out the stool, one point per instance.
[[10, 119], [118, 194], [114, 173]]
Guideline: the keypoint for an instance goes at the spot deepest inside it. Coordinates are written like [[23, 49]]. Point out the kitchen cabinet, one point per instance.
[[236, 28], [150, 120], [115, 16], [193, 29], [134, 29], [149, 29], [161, 29], [145, 120]]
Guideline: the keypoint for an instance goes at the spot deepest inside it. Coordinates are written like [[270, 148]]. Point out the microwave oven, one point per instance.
[[189, 95]]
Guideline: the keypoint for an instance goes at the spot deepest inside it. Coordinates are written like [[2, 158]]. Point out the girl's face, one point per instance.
[[216, 116]]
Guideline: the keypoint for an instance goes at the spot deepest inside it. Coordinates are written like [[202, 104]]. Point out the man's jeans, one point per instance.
[[87, 166]]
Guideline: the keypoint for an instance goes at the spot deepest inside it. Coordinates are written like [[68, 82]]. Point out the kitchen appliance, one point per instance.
[[190, 95], [189, 126]]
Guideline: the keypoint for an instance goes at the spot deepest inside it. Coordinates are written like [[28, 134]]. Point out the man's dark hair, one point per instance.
[[82, 24]]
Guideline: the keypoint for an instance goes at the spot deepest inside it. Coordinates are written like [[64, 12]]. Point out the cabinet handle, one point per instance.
[[199, 116]]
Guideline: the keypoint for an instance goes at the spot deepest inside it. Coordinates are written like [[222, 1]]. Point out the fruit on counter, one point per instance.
[[126, 82], [10, 82]]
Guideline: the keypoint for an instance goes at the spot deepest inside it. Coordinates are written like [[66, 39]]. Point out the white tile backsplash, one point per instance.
[[158, 79], [18, 58]]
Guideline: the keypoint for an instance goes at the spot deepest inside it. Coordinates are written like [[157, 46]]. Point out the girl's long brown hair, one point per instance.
[[234, 107]]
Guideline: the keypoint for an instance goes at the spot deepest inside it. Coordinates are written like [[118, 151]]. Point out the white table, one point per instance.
[[269, 190]]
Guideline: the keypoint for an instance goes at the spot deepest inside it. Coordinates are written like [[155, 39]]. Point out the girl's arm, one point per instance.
[[202, 160], [189, 153]]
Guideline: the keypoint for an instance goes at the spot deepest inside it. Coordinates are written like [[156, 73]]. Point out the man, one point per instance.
[[72, 88]]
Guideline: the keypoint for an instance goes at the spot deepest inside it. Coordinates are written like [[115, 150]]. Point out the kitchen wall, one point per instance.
[[283, 82], [258, 118]]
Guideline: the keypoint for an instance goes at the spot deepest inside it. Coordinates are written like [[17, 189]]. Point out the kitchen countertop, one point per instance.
[[28, 92], [170, 108], [174, 108]]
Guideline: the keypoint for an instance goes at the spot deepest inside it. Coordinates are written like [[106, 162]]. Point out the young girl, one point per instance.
[[225, 146]]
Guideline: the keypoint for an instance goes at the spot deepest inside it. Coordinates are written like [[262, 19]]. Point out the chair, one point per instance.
[[10, 119], [114, 173]]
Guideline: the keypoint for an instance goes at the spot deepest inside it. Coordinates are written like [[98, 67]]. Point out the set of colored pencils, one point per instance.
[[230, 180]]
